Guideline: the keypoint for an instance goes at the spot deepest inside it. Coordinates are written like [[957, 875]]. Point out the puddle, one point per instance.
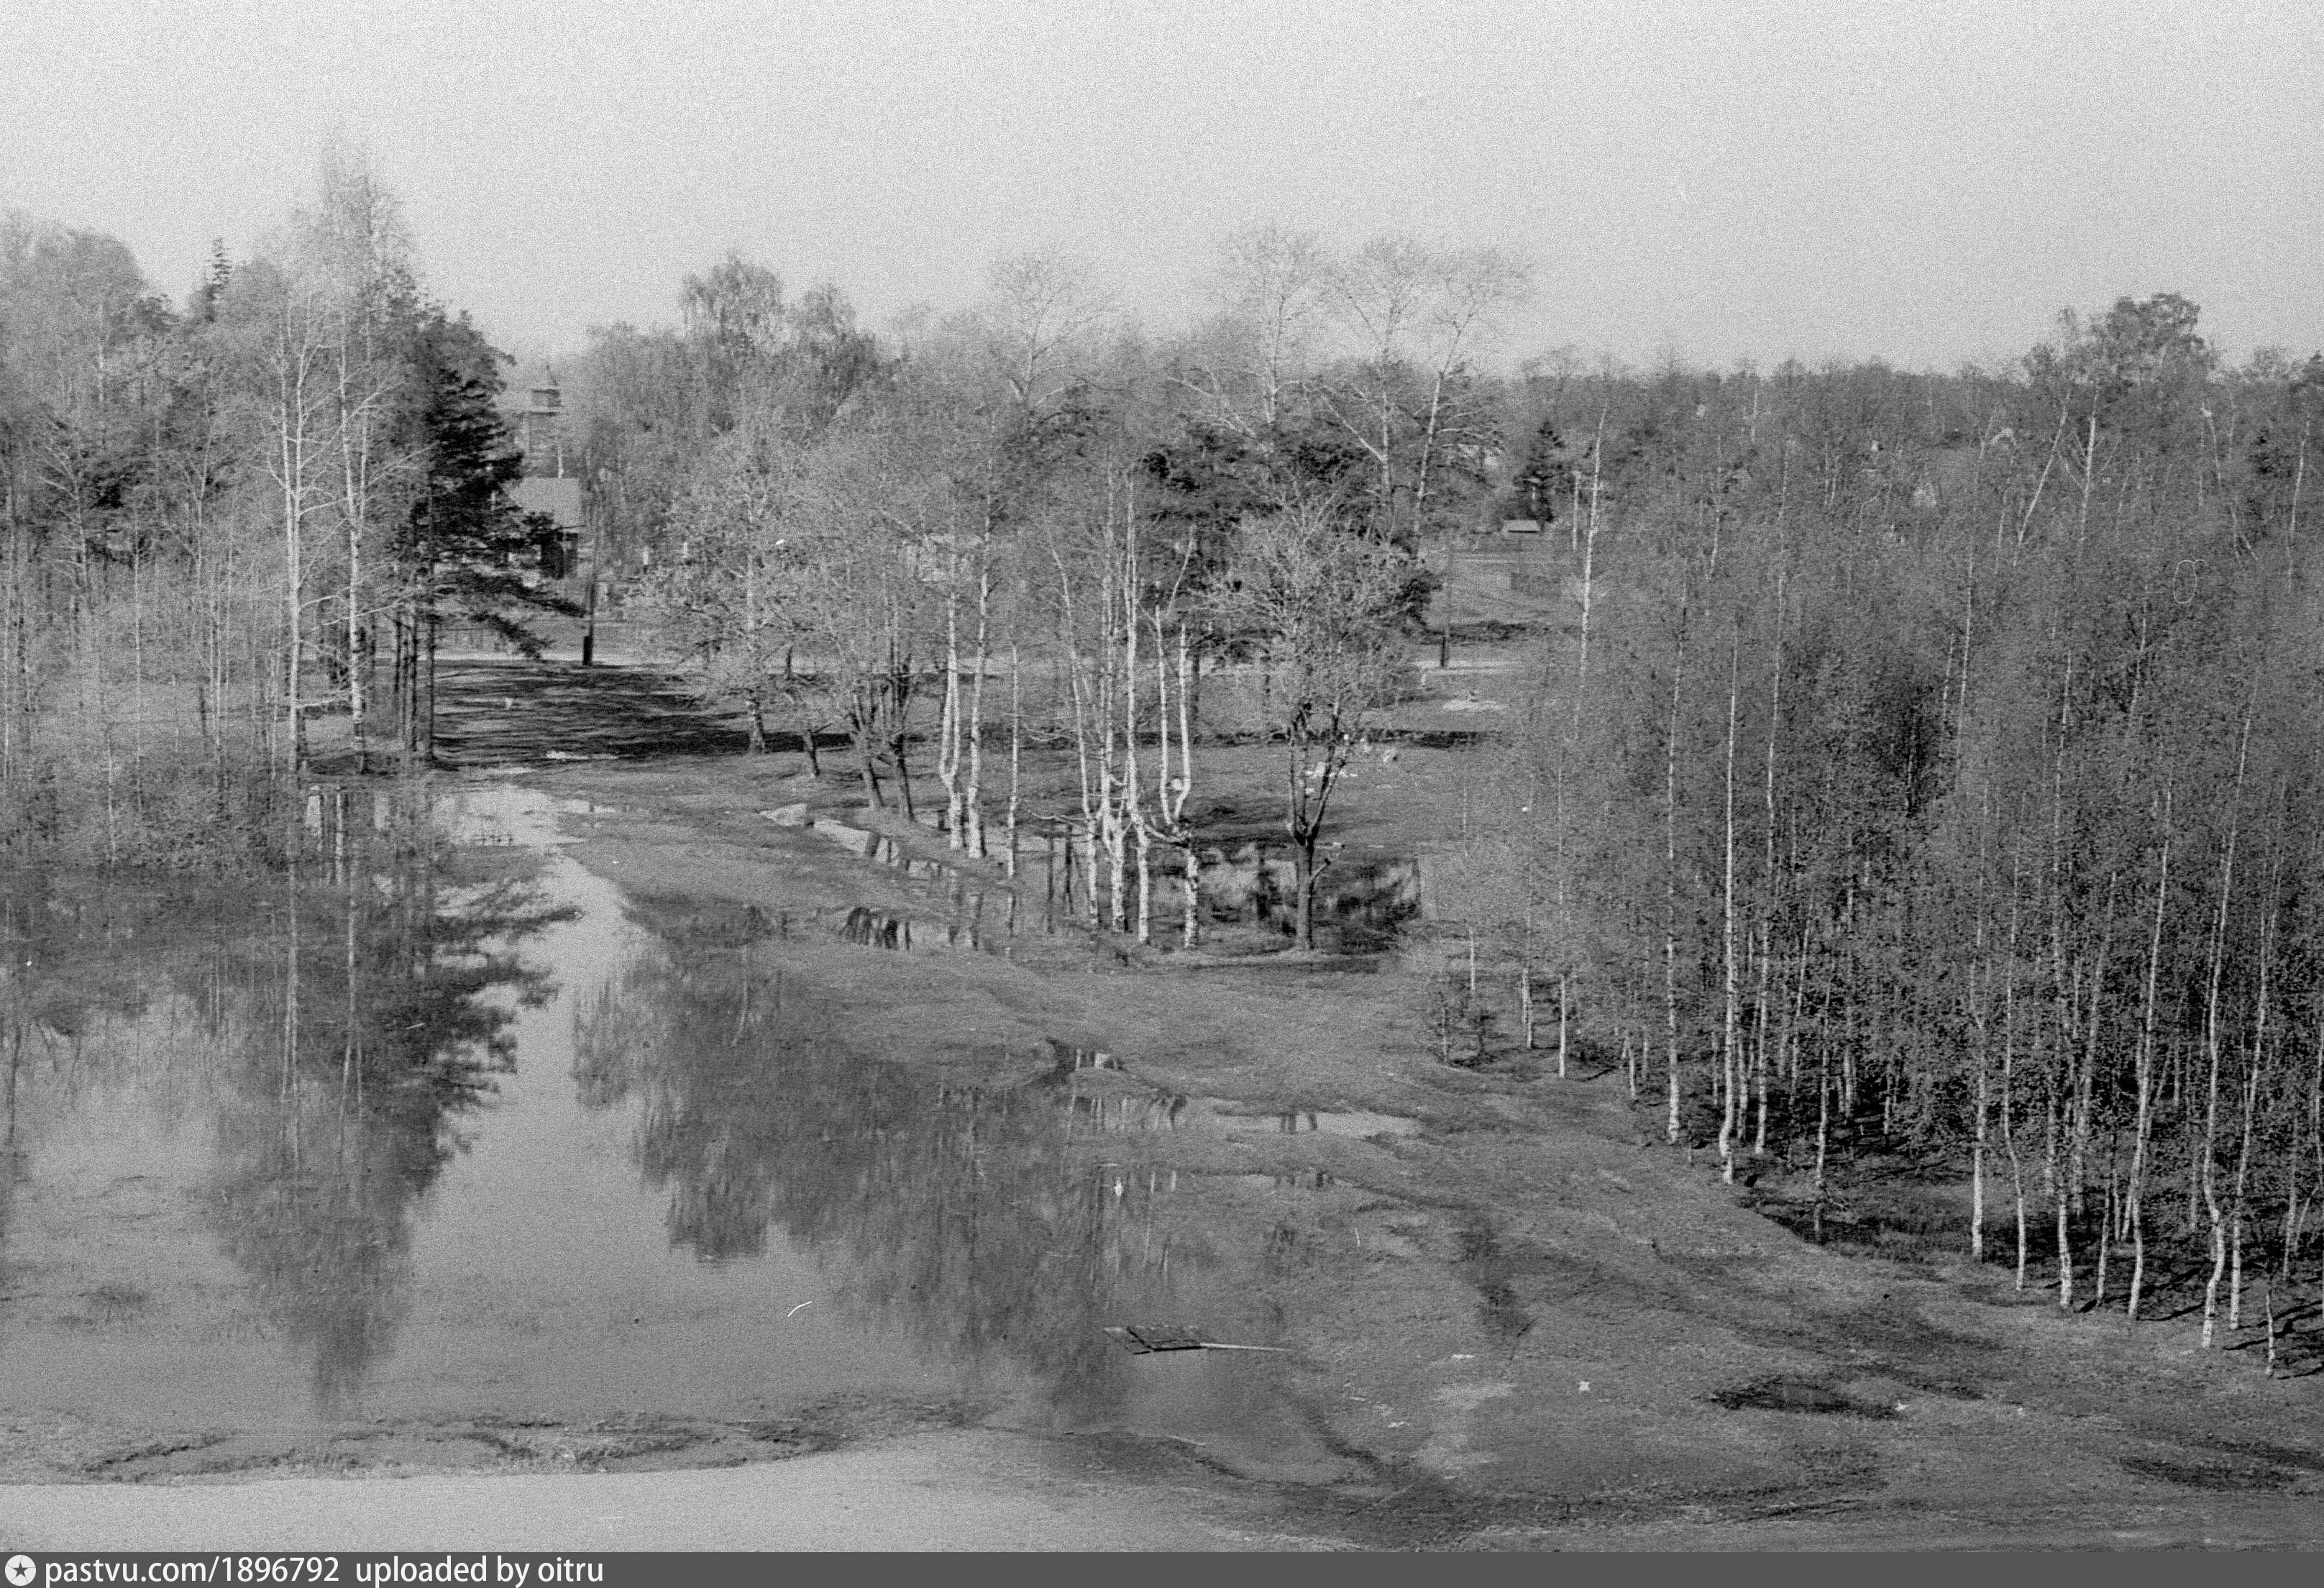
[[1093, 1105], [506, 814], [969, 924], [1300, 1180], [456, 1131], [1361, 903], [881, 850], [1360, 1126], [1784, 1393], [876, 928], [899, 931], [1105, 1099], [1103, 1094]]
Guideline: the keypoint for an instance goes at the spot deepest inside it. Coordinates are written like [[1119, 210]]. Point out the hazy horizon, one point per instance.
[[1713, 182]]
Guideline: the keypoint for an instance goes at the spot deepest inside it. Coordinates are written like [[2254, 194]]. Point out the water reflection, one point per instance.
[[1361, 901], [988, 1222], [271, 1158], [331, 1030]]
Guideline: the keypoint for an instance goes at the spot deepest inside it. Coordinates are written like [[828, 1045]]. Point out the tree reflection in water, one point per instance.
[[973, 1216], [349, 1015]]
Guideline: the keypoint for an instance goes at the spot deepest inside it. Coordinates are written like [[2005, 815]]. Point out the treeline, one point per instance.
[[221, 522], [1027, 523], [1932, 762]]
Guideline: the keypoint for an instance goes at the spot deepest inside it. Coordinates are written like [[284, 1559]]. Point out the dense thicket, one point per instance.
[[220, 524], [1935, 760]]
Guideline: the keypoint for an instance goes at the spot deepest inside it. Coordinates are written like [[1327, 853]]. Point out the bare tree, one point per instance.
[[1272, 288], [1043, 313], [1311, 596], [355, 248], [1419, 317]]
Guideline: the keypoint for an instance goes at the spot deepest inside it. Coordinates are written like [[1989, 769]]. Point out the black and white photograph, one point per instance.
[[1156, 776]]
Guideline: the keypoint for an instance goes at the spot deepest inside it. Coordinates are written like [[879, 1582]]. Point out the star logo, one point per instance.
[[20, 1570]]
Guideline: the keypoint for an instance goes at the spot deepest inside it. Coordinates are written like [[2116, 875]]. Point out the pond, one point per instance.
[[449, 1128]]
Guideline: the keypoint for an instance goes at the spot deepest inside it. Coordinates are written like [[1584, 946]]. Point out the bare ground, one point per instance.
[[1525, 1323]]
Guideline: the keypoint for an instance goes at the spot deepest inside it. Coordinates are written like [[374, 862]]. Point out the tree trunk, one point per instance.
[[1565, 1025], [1765, 1029], [2143, 1065], [1670, 876], [357, 697], [2215, 1213], [948, 720], [2056, 1185], [1823, 1133], [1089, 907], [1305, 887], [1190, 673], [1977, 1152], [2105, 1234], [1016, 756], [427, 697], [975, 797], [2017, 1169], [1731, 1111], [1445, 627], [2235, 1206], [861, 728], [898, 752]]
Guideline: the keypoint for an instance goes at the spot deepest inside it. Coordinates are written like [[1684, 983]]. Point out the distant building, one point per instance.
[[559, 501], [534, 407]]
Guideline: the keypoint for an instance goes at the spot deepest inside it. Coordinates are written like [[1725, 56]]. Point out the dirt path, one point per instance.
[[504, 712], [986, 1490], [980, 1489]]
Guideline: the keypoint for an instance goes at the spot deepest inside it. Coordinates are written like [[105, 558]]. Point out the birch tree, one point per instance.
[[1311, 597]]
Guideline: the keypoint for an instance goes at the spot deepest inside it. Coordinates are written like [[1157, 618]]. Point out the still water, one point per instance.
[[1361, 903], [450, 1127]]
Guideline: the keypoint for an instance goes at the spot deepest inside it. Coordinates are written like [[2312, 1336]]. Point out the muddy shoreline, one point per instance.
[[1508, 1317], [1520, 1320]]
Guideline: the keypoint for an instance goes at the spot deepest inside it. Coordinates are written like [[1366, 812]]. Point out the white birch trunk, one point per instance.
[[975, 796]]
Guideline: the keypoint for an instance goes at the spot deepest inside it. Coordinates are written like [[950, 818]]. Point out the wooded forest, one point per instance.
[[221, 521], [1943, 751], [1930, 758]]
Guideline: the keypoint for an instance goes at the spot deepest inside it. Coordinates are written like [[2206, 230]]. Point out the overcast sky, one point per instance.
[[1928, 183]]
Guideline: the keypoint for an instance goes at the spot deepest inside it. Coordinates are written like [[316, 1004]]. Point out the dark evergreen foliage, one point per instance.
[[466, 547]]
